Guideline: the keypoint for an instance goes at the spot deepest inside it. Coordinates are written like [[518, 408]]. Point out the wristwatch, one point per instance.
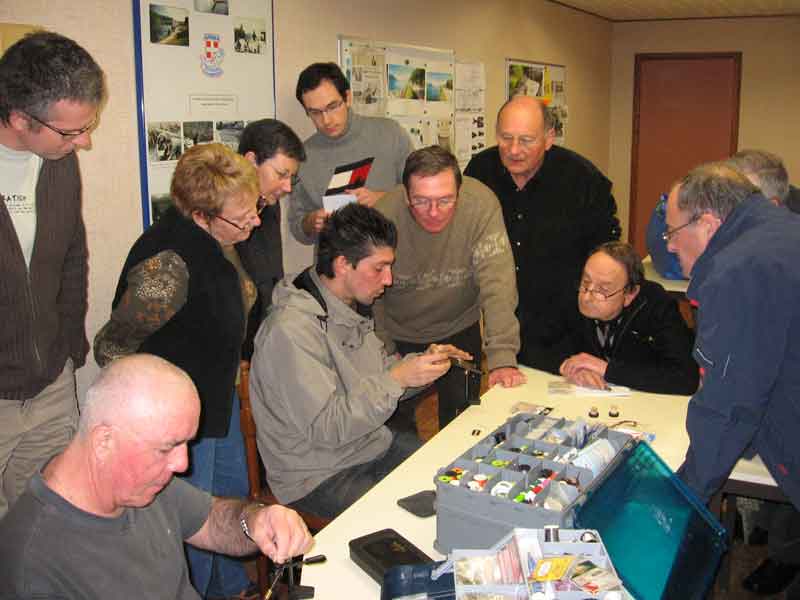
[[243, 518]]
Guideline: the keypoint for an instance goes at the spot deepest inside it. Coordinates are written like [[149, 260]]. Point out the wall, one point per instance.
[[768, 117], [305, 31], [476, 30]]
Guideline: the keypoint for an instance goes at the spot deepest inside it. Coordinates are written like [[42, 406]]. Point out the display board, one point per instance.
[[204, 68], [541, 80], [413, 85]]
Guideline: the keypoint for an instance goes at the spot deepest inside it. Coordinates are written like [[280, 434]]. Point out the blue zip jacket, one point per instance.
[[747, 288]]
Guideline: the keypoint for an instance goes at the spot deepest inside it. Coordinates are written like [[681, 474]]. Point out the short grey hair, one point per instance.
[[766, 170], [715, 187]]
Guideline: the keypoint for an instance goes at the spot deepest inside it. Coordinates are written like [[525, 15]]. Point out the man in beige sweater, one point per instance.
[[453, 263]]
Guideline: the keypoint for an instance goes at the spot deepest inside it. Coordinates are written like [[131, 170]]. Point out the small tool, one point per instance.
[[293, 591]]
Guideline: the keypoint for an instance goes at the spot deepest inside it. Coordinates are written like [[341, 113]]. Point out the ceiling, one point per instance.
[[645, 10]]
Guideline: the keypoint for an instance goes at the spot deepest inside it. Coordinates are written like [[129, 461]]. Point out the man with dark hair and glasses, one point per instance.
[[276, 152], [346, 144], [51, 91], [454, 263], [742, 254], [623, 330]]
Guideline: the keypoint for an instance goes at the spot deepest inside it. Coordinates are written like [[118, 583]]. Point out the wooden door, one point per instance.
[[685, 112]]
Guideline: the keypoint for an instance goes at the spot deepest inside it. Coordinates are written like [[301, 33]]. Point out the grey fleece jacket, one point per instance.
[[320, 390], [366, 137]]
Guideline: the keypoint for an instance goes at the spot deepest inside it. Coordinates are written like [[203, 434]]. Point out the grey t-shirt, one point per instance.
[[51, 549]]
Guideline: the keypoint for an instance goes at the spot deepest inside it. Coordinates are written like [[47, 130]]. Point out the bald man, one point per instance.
[[557, 208], [105, 518]]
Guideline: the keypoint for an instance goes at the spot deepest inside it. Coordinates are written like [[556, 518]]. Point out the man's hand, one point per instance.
[[583, 361], [449, 350], [279, 532], [420, 369], [507, 377], [366, 196], [314, 221], [589, 379]]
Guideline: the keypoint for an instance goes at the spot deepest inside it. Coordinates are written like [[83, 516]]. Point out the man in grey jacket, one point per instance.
[[322, 384]]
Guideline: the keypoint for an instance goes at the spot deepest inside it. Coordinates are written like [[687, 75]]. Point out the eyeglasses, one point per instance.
[[261, 204], [294, 178], [669, 233], [597, 293], [426, 203], [526, 141], [67, 135], [316, 113]]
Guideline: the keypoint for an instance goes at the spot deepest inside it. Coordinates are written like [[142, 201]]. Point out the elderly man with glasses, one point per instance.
[[742, 254], [453, 264], [621, 329], [557, 208], [366, 154], [51, 90]]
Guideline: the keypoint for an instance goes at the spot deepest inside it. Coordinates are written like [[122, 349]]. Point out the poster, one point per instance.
[[470, 111], [204, 70], [541, 80], [413, 85]]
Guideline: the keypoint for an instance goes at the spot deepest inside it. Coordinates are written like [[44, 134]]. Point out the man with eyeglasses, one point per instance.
[[51, 90], [623, 330], [276, 152], [346, 144], [743, 256], [453, 263], [557, 208]]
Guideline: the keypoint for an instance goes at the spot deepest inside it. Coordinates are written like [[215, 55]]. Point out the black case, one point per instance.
[[380, 551]]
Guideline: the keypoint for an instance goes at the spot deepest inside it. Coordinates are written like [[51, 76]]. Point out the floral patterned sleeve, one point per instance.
[[157, 289]]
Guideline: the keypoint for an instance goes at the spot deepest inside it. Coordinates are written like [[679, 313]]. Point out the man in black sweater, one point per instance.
[[557, 207]]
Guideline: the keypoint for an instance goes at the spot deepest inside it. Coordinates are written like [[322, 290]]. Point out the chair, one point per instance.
[[259, 491]]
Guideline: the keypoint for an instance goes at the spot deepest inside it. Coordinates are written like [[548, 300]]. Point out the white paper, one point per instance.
[[331, 203], [564, 388]]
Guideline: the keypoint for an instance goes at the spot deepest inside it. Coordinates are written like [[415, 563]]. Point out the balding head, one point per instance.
[[135, 391], [525, 132]]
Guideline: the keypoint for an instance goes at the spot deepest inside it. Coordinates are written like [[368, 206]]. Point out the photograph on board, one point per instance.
[[169, 25], [439, 87], [406, 82], [229, 132], [250, 36], [164, 140], [197, 132], [214, 7], [159, 203], [524, 80]]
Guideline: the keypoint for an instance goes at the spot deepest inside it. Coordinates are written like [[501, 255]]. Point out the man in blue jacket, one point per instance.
[[743, 256]]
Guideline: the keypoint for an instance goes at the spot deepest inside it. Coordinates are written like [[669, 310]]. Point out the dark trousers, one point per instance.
[[456, 388], [330, 498]]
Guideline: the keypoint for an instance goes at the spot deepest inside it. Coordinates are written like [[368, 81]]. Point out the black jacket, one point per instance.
[[205, 336], [652, 348], [563, 213]]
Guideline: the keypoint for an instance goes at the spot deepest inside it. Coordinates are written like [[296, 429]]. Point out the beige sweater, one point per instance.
[[442, 281]]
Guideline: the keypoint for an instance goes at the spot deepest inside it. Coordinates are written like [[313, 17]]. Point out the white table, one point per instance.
[[671, 285], [339, 577]]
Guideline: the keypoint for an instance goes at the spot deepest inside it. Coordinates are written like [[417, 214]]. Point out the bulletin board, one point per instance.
[[204, 69], [542, 80], [414, 85]]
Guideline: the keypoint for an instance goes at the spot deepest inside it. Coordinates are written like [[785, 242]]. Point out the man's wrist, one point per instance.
[[245, 516]]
